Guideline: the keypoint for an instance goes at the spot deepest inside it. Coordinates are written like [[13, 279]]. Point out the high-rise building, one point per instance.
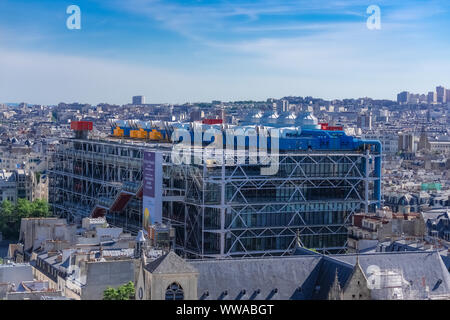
[[414, 98], [403, 97], [431, 97], [447, 95], [138, 100], [440, 94]]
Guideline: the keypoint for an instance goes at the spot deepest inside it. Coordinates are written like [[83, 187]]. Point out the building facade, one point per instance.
[[19, 184], [227, 210]]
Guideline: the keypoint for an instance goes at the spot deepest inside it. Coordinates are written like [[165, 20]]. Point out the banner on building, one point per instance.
[[152, 193]]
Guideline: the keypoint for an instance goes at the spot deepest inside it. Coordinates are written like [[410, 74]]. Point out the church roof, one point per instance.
[[308, 276], [420, 268], [169, 263], [327, 274], [278, 278]]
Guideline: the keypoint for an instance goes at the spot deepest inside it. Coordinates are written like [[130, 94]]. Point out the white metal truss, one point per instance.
[[221, 208], [349, 172]]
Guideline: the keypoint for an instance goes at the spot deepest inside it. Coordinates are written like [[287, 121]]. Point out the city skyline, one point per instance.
[[134, 100], [214, 50]]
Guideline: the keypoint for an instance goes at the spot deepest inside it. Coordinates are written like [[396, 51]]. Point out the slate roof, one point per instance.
[[15, 273], [327, 273], [435, 215], [304, 251], [307, 276], [446, 260], [66, 263], [419, 268], [278, 278], [169, 263]]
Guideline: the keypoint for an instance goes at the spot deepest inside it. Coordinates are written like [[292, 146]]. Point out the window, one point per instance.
[[174, 292]]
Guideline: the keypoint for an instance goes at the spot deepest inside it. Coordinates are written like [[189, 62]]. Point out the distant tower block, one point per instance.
[[440, 93], [81, 128], [138, 100]]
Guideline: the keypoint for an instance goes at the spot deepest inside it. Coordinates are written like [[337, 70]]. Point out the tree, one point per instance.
[[39, 208], [6, 211], [8, 223], [23, 208], [110, 294], [124, 292], [11, 215]]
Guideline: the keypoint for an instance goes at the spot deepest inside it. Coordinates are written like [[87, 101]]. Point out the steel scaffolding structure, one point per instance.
[[93, 178], [218, 209], [234, 211]]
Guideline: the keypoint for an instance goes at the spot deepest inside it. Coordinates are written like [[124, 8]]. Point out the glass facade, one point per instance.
[[310, 199]]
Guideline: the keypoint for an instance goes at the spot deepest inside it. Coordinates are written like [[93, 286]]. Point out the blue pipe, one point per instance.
[[379, 150]]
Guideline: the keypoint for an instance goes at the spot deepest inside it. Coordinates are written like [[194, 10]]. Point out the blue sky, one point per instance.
[[186, 51]]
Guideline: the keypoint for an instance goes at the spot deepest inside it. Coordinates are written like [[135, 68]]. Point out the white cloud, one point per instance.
[[49, 79]]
